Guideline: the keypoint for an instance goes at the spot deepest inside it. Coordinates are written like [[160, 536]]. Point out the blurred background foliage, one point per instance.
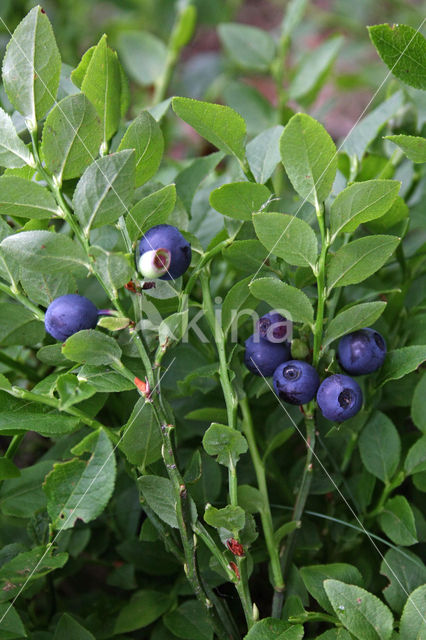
[[207, 70]]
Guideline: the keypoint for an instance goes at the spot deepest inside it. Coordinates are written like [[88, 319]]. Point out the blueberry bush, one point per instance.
[[213, 332]]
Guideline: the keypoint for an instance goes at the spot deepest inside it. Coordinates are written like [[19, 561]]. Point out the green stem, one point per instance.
[[231, 408], [14, 293], [14, 446], [183, 515], [204, 535], [15, 365], [390, 485], [320, 275], [265, 514], [299, 506]]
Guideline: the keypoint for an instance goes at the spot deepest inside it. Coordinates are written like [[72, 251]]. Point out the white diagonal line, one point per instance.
[[341, 145], [50, 545], [77, 135], [308, 445]]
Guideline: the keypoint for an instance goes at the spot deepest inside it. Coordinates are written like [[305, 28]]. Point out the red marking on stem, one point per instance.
[[235, 569], [235, 547]]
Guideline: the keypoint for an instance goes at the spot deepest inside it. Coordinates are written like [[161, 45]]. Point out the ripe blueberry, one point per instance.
[[263, 357], [361, 352], [68, 314], [296, 382], [273, 327], [163, 253], [339, 398]]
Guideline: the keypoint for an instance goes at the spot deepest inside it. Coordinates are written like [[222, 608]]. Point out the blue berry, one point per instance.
[[296, 382], [273, 327], [263, 357], [362, 352], [163, 253], [68, 314], [339, 398]]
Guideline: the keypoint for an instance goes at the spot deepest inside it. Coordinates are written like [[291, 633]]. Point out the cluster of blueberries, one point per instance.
[[164, 253], [339, 397]]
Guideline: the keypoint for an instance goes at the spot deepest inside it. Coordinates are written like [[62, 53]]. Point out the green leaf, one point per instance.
[[221, 126], [189, 621], [68, 628], [45, 251], [114, 323], [77, 75], [71, 390], [11, 623], [399, 211], [246, 255], [292, 17], [287, 300], [150, 211], [414, 147], [277, 441], [236, 297], [13, 152], [418, 405], [21, 497], [399, 362], [415, 462], [363, 133], [380, 447], [141, 437], [173, 328], [356, 261], [19, 573], [145, 606], [313, 70], [145, 137], [403, 50], [81, 489], [115, 268], [18, 326], [91, 347], [250, 499], [239, 199], [287, 237], [144, 56], [159, 494], [43, 288], [25, 199], [72, 135], [361, 202], [273, 629], [405, 572], [104, 380], [105, 190], [32, 66], [102, 86], [263, 153], [284, 530], [18, 416], [247, 46], [360, 612], [397, 521], [51, 354], [8, 469], [230, 518], [413, 623], [309, 157], [314, 576], [225, 443], [352, 319], [189, 179]]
